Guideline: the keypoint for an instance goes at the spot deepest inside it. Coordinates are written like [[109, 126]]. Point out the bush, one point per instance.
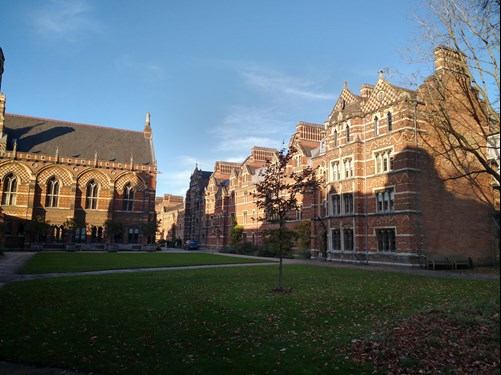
[[246, 248], [228, 250], [242, 248], [305, 254]]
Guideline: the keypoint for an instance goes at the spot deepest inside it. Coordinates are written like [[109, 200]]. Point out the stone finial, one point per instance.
[[381, 74]]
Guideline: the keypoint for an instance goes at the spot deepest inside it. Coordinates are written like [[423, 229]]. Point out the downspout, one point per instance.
[[366, 196], [418, 185]]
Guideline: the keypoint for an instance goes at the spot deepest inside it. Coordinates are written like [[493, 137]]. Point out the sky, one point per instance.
[[217, 76]]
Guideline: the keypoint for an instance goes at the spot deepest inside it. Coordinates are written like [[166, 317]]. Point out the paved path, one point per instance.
[[12, 262]]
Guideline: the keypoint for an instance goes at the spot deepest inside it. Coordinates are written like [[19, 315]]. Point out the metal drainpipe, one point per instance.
[[366, 196], [418, 185]]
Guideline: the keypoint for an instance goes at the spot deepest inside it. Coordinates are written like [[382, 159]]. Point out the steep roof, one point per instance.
[[43, 136]]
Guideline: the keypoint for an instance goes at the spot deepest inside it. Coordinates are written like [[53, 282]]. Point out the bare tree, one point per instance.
[[277, 194], [461, 100]]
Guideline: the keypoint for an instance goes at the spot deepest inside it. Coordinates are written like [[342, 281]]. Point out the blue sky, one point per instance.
[[217, 76]]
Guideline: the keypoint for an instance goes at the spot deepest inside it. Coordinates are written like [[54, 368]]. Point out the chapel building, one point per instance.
[[69, 183]]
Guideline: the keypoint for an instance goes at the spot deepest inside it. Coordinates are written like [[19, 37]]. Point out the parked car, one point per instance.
[[192, 245]]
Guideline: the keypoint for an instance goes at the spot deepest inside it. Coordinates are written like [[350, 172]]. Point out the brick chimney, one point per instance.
[[447, 58], [366, 90]]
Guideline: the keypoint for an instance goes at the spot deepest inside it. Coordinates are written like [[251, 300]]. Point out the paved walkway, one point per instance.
[[12, 262]]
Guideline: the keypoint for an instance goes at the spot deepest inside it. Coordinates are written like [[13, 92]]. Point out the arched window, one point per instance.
[[91, 197], [9, 190], [52, 197], [376, 125], [347, 133], [390, 124], [128, 197], [335, 138], [57, 233]]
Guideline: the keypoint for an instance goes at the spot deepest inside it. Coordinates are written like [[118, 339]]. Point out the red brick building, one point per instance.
[[387, 194], [91, 185], [170, 213]]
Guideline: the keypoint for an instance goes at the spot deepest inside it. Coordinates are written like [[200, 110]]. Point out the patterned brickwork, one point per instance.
[[134, 179], [62, 174], [93, 174], [18, 169]]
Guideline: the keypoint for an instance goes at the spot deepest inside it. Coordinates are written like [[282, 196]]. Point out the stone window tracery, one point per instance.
[[91, 195], [9, 190], [52, 196]]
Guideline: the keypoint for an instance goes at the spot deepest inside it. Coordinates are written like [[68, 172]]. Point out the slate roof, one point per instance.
[[43, 136]]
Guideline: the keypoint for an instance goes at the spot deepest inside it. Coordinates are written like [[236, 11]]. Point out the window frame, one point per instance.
[[128, 197], [385, 200], [9, 191], [52, 192], [92, 194], [386, 240]]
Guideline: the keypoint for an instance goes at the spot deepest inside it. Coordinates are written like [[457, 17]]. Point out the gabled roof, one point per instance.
[[385, 93], [73, 140], [347, 102]]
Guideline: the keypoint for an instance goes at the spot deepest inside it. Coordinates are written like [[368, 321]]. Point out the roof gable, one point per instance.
[[384, 94], [346, 100]]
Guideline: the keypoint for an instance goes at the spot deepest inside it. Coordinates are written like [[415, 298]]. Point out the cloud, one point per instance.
[[65, 19], [246, 127], [147, 70], [279, 85]]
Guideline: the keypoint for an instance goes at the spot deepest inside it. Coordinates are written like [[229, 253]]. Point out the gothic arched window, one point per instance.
[[52, 196], [91, 195], [128, 197], [347, 133], [376, 125], [390, 124], [9, 190]]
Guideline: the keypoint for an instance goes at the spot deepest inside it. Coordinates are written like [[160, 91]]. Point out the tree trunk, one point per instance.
[[280, 274], [280, 266]]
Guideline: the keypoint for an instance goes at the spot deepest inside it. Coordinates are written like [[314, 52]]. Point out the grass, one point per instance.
[[61, 262], [217, 321]]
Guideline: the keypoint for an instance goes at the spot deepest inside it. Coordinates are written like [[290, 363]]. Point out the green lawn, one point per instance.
[[49, 262], [218, 321]]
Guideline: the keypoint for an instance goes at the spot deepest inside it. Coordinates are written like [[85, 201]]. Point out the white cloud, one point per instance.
[[148, 70], [246, 127], [65, 19], [280, 84]]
